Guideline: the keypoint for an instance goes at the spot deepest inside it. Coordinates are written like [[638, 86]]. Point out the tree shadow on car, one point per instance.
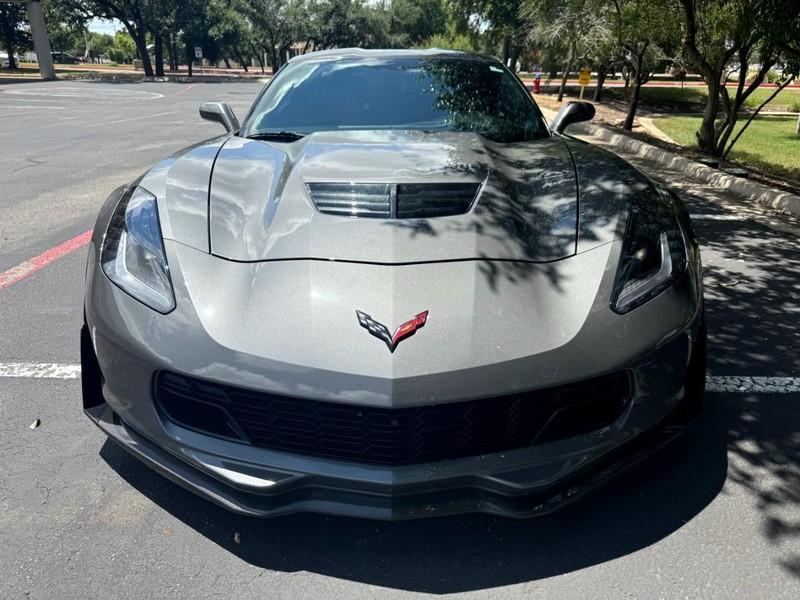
[[467, 552]]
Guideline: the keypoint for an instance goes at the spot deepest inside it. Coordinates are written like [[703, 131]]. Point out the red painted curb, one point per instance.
[[30, 266]]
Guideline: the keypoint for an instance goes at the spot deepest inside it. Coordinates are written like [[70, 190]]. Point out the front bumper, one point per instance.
[[519, 483], [305, 493]]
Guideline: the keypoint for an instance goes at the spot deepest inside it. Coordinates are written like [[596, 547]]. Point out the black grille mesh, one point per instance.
[[392, 436], [422, 201]]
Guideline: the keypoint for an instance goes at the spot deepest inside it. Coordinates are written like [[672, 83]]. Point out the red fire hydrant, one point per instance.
[[537, 83]]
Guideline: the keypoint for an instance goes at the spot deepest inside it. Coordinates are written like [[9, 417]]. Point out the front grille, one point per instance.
[[352, 199], [394, 201], [392, 436], [422, 201]]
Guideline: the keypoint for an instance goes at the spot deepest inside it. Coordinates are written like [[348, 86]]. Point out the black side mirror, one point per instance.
[[220, 112], [572, 112]]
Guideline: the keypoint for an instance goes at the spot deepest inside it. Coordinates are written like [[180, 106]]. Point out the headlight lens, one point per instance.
[[133, 254], [653, 252]]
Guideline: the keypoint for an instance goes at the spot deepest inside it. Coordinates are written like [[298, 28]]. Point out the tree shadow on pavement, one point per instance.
[[753, 314]]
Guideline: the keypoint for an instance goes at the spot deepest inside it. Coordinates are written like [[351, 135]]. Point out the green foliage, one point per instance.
[[413, 21], [13, 37], [456, 41], [123, 48]]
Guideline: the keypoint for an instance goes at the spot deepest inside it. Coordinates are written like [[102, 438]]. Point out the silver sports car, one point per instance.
[[394, 291]]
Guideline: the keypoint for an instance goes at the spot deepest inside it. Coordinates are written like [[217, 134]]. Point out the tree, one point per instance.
[[274, 26], [572, 26], [133, 15], [645, 32], [741, 38], [12, 16], [123, 48], [502, 21], [230, 30], [412, 21]]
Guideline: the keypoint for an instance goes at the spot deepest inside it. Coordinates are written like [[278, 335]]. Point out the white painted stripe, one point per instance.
[[764, 385], [139, 118], [30, 106], [717, 217], [94, 94], [40, 370], [768, 385]]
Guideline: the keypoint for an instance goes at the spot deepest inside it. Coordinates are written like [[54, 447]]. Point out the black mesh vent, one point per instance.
[[393, 436], [352, 199], [422, 201]]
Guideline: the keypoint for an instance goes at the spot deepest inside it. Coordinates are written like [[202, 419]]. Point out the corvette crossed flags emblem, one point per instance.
[[380, 331]]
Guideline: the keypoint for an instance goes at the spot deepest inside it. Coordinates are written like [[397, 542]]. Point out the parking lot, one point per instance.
[[715, 514]]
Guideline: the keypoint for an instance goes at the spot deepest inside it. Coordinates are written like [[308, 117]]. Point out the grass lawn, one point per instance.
[[769, 144], [697, 95], [690, 99]]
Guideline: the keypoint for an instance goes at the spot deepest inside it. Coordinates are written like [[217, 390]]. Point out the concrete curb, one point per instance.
[[749, 190]]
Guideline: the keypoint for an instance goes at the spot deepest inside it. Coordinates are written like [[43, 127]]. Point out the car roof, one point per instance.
[[362, 53]]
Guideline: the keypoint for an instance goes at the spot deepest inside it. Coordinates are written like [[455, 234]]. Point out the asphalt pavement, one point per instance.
[[714, 515]]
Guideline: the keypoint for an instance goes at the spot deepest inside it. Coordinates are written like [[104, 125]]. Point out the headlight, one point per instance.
[[653, 252], [133, 254]]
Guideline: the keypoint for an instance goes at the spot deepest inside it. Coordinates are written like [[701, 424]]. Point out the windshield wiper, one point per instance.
[[276, 136]]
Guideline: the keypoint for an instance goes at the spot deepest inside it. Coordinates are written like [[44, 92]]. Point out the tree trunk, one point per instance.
[[259, 58], [241, 59], [506, 48], [633, 104], [159, 54], [602, 70], [723, 140], [567, 69], [227, 63], [141, 47], [706, 135], [173, 53], [8, 37], [189, 57], [514, 58]]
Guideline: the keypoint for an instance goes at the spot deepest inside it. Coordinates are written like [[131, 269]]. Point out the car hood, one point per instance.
[[260, 208]]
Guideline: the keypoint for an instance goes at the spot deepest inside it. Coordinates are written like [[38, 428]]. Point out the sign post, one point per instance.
[[584, 79], [198, 54]]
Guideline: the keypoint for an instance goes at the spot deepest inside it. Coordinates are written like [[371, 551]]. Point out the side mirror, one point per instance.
[[572, 112], [220, 112]]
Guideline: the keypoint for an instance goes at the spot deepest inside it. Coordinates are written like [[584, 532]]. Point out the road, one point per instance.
[[714, 515]]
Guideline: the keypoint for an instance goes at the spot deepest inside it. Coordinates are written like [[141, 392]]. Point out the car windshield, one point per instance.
[[419, 93]]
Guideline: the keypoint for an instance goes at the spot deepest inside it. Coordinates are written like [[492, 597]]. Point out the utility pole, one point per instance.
[[41, 43]]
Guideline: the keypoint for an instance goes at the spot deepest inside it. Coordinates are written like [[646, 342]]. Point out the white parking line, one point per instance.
[[128, 120], [40, 370], [768, 385], [79, 92], [30, 106], [764, 385], [718, 217]]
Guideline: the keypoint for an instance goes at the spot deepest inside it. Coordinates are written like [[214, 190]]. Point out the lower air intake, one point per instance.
[[393, 436]]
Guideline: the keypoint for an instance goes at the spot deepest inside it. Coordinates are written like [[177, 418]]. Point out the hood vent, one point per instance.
[[394, 201], [352, 199], [426, 200]]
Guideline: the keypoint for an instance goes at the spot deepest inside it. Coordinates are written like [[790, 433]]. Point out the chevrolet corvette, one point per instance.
[[393, 291]]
